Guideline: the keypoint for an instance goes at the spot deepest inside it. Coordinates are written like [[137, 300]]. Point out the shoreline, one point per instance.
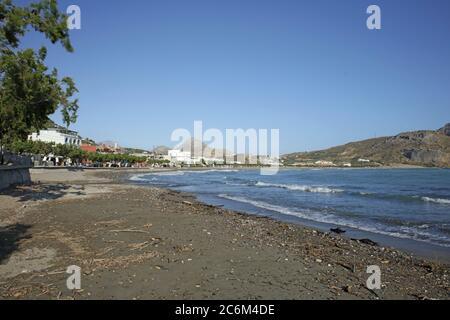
[[420, 249], [152, 243], [416, 248]]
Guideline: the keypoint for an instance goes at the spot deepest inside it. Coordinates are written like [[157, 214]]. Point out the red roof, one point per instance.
[[88, 148]]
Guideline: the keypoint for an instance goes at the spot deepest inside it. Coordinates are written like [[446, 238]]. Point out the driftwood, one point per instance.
[[338, 231], [129, 230]]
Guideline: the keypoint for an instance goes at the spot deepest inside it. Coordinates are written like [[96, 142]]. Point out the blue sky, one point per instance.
[[309, 68]]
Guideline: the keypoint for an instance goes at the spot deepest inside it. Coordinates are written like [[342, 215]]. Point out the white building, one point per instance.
[[213, 161], [185, 157], [57, 136], [324, 163], [348, 164], [178, 156], [267, 161]]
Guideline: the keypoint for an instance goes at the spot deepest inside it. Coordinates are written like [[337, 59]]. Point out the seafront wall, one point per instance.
[[16, 170], [14, 175]]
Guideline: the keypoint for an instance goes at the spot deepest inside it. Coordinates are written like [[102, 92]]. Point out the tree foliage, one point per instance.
[[72, 152], [29, 90]]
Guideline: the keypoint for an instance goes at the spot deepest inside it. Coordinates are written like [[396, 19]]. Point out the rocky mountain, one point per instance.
[[161, 150], [191, 144], [423, 148]]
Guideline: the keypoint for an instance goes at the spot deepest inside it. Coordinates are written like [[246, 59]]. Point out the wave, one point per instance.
[[168, 173], [403, 232], [211, 170], [144, 177], [139, 177], [296, 187], [271, 207], [235, 184], [436, 200], [400, 197]]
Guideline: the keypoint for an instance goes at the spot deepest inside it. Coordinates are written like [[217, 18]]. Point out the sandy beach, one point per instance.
[[135, 242]]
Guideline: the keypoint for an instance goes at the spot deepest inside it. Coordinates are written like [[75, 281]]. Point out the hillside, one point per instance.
[[161, 150], [424, 148]]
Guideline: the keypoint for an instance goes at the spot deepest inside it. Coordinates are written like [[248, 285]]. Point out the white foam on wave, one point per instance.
[[271, 207], [296, 187], [168, 173], [143, 177], [436, 200], [234, 184], [139, 177], [210, 171], [403, 232]]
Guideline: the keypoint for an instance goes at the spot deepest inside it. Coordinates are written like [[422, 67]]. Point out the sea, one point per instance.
[[404, 208]]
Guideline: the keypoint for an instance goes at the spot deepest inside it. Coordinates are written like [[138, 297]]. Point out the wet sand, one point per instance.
[[136, 242]]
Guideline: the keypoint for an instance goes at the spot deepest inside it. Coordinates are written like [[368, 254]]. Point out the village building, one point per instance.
[[179, 156], [89, 148], [348, 165], [107, 148], [324, 163], [58, 136], [185, 157]]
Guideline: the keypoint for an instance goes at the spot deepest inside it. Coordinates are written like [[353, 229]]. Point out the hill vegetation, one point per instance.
[[422, 148]]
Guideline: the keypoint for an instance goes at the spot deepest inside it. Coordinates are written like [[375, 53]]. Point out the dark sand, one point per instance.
[[147, 243]]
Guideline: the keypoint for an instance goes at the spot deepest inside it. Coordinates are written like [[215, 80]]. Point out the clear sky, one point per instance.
[[310, 68]]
